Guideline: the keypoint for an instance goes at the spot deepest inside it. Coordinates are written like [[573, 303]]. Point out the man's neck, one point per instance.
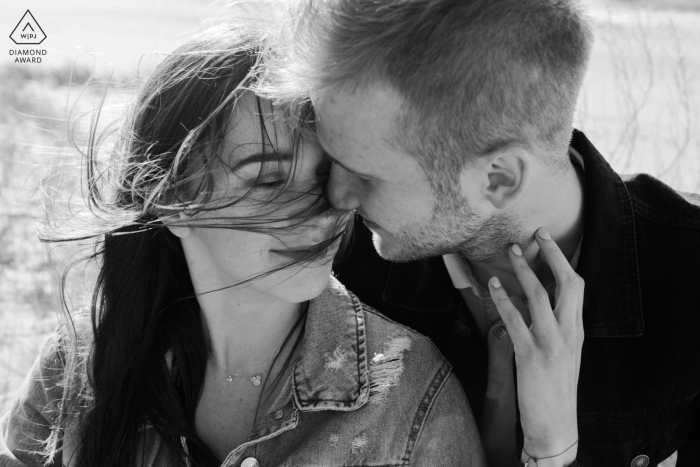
[[559, 209]]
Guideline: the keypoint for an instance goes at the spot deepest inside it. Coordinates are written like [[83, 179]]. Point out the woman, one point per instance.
[[217, 335]]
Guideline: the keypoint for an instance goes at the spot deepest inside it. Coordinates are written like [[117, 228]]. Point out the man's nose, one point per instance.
[[343, 189]]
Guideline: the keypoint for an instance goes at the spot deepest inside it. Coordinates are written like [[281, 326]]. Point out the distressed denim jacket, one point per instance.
[[365, 391]]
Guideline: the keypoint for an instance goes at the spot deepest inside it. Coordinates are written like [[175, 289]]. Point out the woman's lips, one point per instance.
[[301, 252], [301, 255], [296, 248], [315, 238]]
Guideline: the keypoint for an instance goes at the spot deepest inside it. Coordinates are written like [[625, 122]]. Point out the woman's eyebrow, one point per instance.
[[262, 157]]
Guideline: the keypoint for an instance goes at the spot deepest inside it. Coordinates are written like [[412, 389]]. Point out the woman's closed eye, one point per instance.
[[267, 177], [263, 171], [268, 183]]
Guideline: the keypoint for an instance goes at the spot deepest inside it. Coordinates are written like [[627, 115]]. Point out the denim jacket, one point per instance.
[[639, 382], [365, 391]]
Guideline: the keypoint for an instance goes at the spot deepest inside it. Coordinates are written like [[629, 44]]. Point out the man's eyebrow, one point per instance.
[[336, 161], [262, 157]]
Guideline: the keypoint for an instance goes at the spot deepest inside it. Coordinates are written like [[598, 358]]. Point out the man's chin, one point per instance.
[[391, 250], [383, 241], [399, 248]]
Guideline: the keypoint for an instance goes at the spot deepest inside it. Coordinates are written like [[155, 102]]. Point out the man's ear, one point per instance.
[[508, 173], [174, 223], [500, 178]]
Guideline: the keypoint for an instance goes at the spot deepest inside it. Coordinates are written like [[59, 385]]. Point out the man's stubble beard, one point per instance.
[[455, 228]]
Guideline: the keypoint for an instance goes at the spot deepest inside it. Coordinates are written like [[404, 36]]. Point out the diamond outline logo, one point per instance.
[[27, 20]]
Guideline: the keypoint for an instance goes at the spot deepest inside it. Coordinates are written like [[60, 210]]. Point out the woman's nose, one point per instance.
[[343, 189]]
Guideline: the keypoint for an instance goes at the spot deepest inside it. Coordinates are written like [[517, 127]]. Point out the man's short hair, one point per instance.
[[476, 75]]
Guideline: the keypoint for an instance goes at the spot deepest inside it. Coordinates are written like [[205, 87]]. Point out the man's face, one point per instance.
[[374, 174]]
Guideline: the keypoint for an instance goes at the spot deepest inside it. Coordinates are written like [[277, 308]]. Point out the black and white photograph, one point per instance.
[[350, 233]]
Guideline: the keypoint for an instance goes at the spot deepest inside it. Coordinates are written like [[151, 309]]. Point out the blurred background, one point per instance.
[[640, 106]]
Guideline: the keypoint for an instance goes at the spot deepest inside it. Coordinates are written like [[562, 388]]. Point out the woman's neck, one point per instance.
[[245, 328]]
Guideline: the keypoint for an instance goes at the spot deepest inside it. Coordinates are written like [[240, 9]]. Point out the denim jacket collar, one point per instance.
[[608, 260], [332, 372]]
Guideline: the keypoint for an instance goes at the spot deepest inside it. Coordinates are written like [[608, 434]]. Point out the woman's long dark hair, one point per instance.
[[144, 304]]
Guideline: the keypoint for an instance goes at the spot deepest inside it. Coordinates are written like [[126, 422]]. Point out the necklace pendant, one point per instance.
[[256, 379], [229, 378]]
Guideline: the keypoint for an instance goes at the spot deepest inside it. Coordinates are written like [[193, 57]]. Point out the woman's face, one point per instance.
[[251, 177]]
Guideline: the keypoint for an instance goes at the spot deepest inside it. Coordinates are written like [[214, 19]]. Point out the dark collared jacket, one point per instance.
[[640, 367]]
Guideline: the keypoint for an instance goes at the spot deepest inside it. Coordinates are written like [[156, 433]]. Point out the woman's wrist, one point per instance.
[[554, 462], [564, 457]]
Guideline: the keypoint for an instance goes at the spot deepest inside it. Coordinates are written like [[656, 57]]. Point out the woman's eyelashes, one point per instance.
[[274, 176], [268, 180], [264, 179]]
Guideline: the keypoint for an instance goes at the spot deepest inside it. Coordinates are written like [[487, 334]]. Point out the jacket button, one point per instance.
[[461, 328], [499, 331], [279, 414], [250, 462], [640, 461]]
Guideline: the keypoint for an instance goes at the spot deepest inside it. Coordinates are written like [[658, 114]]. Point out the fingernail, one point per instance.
[[515, 248], [495, 283], [544, 235]]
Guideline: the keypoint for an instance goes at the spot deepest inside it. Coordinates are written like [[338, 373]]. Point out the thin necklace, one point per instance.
[[256, 379]]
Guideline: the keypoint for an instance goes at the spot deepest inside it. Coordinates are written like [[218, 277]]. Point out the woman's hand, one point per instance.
[[547, 354]]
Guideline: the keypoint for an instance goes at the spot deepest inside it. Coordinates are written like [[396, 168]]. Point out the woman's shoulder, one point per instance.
[[389, 334], [388, 340], [392, 343], [29, 427], [59, 365], [393, 366], [413, 394], [63, 347], [397, 355], [408, 371]]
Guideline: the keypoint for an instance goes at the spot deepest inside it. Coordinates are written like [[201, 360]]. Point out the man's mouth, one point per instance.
[[370, 224]]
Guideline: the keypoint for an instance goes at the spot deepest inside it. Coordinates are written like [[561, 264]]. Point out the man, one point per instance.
[[450, 126]]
